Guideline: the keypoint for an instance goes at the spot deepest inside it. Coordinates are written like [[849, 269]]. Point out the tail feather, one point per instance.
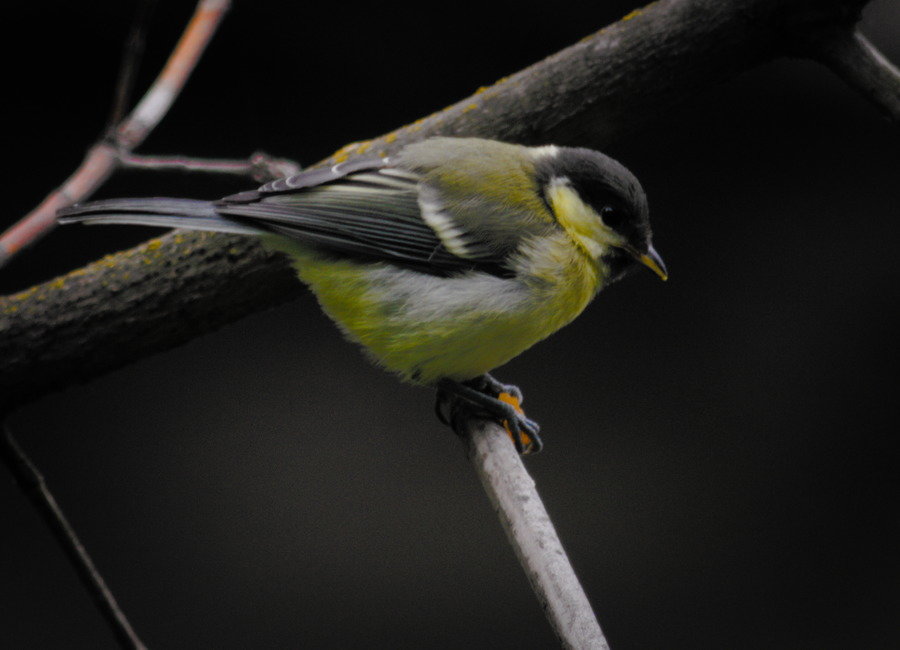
[[161, 212]]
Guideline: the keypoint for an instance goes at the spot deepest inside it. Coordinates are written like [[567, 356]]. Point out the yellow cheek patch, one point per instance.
[[580, 220]]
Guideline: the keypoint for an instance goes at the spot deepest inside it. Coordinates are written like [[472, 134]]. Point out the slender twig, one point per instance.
[[35, 487], [102, 158], [852, 57], [260, 166], [131, 57], [529, 529]]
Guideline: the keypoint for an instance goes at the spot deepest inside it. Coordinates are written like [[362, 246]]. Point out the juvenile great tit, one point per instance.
[[444, 261]]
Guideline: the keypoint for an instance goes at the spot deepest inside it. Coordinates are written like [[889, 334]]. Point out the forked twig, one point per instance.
[[102, 159]]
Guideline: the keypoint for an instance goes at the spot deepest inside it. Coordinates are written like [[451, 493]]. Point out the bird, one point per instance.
[[443, 261]]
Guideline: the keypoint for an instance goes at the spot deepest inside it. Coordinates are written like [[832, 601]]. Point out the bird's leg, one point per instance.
[[497, 388], [484, 396]]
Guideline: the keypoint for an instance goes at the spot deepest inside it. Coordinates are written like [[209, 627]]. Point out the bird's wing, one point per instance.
[[365, 210], [370, 209]]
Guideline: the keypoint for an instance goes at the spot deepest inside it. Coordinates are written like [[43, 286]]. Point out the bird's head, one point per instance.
[[601, 205]]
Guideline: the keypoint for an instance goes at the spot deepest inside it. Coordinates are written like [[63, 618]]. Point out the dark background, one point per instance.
[[720, 458]]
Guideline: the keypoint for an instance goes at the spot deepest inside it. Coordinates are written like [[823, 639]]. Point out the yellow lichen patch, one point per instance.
[[471, 107], [151, 251], [417, 125], [484, 89], [632, 14], [107, 261], [23, 295], [390, 137], [344, 152]]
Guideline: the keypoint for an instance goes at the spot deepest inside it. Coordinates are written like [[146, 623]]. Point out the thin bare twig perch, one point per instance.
[[35, 488], [533, 537], [102, 158], [260, 166]]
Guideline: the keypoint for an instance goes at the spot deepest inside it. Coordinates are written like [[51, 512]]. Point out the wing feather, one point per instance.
[[416, 211], [369, 211]]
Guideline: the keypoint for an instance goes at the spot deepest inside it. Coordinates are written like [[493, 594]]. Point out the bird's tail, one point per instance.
[[165, 213]]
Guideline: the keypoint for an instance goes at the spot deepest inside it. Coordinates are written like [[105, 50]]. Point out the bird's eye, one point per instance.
[[611, 216]]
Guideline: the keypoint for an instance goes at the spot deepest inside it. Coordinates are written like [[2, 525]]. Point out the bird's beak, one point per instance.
[[652, 261]]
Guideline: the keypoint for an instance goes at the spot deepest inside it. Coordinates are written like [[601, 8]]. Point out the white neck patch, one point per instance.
[[545, 151]]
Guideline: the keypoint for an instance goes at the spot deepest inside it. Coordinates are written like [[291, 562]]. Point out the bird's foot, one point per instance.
[[484, 396]]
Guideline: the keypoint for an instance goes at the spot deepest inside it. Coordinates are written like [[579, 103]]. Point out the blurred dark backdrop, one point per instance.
[[720, 457]]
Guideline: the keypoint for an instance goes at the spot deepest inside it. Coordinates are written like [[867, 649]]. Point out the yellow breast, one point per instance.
[[427, 327]]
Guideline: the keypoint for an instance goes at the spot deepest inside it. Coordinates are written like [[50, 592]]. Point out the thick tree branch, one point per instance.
[[159, 294], [853, 58], [171, 289]]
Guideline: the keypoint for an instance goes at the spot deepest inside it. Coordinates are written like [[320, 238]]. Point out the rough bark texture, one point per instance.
[[127, 305], [171, 289]]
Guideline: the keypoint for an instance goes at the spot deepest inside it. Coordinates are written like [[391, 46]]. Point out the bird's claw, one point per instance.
[[486, 397], [522, 429]]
